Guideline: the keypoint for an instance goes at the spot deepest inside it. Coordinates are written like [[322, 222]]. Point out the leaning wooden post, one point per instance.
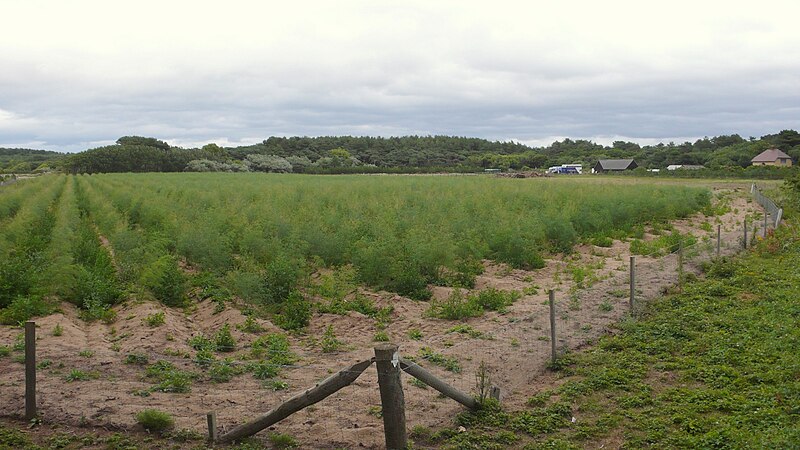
[[553, 354], [719, 237], [418, 372], [633, 282], [211, 417], [323, 389], [387, 361], [30, 370]]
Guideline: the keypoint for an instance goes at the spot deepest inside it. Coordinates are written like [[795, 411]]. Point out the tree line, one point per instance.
[[354, 154]]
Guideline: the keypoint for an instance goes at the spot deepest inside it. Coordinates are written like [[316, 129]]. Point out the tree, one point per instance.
[[267, 163]]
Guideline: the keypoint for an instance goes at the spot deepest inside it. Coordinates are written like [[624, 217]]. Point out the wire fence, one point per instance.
[[772, 209]]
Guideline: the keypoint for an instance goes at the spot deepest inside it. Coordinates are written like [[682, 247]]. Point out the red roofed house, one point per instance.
[[772, 157]]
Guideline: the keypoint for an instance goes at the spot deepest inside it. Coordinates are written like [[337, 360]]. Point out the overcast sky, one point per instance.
[[79, 74]]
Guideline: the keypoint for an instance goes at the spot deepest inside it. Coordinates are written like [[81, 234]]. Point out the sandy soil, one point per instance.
[[516, 352]]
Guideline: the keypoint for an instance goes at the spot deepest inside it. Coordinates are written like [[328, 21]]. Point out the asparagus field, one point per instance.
[[93, 240]]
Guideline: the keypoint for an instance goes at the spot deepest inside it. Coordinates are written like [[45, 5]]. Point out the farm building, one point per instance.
[[614, 165], [772, 157]]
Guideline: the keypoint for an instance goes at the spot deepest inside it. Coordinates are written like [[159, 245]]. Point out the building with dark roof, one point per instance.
[[614, 165]]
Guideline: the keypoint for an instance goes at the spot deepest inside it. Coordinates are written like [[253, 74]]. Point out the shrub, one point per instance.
[[495, 299], [295, 312], [155, 420], [94, 288], [281, 278], [456, 307], [165, 280], [22, 309]]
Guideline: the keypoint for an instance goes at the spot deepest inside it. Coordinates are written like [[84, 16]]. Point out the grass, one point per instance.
[[155, 420], [715, 366]]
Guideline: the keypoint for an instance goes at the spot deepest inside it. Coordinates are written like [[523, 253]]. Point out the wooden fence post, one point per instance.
[[719, 237], [211, 417], [553, 354], [30, 370], [387, 361], [633, 282], [680, 265], [745, 234], [765, 223]]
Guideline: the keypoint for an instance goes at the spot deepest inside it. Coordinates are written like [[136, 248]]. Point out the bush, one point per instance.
[[165, 280], [155, 420], [282, 278], [295, 312], [23, 309], [456, 307], [92, 287]]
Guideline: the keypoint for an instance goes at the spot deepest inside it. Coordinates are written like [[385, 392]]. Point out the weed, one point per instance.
[[414, 334], [274, 348], [278, 385], [250, 326], [381, 336], [468, 330], [222, 371], [223, 340], [57, 330], [86, 353], [606, 306], [282, 441], [155, 420], [154, 320], [329, 342], [80, 375], [438, 359], [140, 359]]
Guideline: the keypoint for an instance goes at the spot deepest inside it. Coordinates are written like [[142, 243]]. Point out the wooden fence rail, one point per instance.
[[389, 363]]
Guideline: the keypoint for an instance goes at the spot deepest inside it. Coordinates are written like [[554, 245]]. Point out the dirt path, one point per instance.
[[514, 346]]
